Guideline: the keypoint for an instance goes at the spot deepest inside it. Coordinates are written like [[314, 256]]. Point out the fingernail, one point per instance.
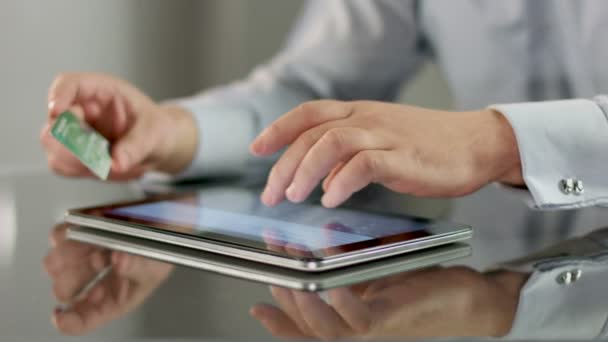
[[54, 318], [268, 197], [257, 147], [253, 147], [328, 200], [292, 193]]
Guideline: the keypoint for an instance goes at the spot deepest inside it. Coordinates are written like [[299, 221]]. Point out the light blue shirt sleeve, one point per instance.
[[341, 49], [561, 140]]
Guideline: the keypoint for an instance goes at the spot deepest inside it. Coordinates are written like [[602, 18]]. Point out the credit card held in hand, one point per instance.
[[90, 147]]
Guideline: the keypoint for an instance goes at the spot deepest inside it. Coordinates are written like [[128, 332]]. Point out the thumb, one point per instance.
[[132, 149]]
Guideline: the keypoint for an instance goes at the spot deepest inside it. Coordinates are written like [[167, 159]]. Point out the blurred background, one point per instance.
[[169, 49]]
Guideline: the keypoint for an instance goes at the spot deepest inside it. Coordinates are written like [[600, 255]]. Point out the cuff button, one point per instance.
[[567, 185], [569, 277], [579, 187]]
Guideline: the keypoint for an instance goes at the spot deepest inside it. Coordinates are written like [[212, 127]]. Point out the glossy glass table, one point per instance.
[[442, 300]]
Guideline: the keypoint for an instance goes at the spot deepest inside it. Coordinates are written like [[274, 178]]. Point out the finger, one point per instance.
[[131, 150], [121, 109], [72, 279], [62, 93], [351, 308], [320, 317], [85, 315], [59, 158], [134, 173], [93, 109], [143, 271], [71, 167], [58, 233], [68, 90], [365, 167], [331, 175], [69, 283], [286, 301], [276, 321], [75, 88], [335, 146], [281, 174], [306, 116], [65, 255]]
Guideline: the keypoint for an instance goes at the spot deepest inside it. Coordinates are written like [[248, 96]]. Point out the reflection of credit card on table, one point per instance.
[[90, 147]]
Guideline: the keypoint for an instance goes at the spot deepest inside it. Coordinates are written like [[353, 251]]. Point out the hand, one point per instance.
[[407, 149], [435, 302], [144, 135], [73, 264]]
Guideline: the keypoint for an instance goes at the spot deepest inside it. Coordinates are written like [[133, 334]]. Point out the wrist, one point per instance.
[[181, 141], [499, 153]]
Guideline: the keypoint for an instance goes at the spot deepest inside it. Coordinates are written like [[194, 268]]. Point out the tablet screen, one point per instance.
[[294, 229]]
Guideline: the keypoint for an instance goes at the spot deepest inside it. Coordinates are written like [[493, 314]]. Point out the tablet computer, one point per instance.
[[234, 222], [268, 274]]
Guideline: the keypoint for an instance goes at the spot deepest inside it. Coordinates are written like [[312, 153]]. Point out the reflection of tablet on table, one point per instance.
[[304, 237], [268, 274]]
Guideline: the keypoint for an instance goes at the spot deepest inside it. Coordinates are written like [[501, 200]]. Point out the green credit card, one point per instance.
[[90, 147]]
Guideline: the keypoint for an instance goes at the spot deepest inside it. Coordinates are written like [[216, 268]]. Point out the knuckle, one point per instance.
[[274, 130], [336, 138], [313, 111], [64, 77], [368, 162], [308, 138], [307, 108], [277, 174]]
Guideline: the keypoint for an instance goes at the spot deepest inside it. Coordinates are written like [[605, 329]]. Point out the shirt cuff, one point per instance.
[[560, 141], [564, 299], [224, 138]]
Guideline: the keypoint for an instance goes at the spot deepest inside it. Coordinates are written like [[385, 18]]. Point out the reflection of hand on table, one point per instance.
[[72, 264], [432, 302]]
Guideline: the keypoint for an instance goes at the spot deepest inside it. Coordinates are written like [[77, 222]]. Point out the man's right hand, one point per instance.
[[144, 135]]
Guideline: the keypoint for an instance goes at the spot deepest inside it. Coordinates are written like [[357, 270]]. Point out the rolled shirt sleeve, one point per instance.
[[563, 148]]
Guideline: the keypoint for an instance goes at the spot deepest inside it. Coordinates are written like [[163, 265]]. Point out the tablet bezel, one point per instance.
[[437, 233]]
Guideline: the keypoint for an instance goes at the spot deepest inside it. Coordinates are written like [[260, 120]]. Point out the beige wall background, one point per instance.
[[169, 49]]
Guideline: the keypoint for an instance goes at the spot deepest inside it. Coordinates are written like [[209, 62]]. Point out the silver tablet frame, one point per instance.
[[460, 233], [268, 274]]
